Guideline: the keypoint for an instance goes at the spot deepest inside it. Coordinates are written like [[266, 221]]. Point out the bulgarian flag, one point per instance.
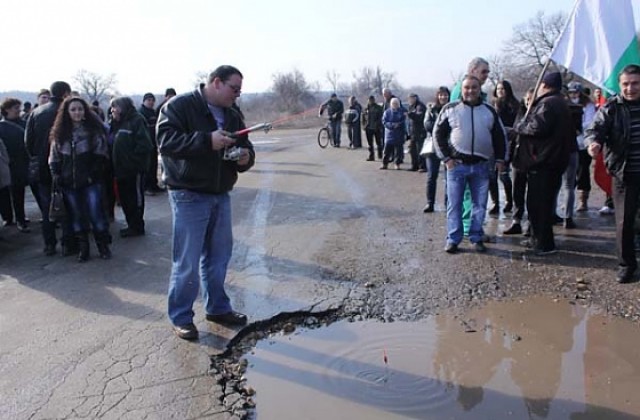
[[598, 40]]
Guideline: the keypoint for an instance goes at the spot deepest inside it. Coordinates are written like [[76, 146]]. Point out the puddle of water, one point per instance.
[[520, 360]]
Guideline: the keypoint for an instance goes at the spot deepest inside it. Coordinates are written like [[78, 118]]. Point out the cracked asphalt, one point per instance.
[[314, 230]]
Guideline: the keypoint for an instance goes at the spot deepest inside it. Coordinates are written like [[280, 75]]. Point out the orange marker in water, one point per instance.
[[384, 356]]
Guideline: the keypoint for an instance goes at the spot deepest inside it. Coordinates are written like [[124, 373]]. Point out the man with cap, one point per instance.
[[148, 112], [335, 109], [545, 138]]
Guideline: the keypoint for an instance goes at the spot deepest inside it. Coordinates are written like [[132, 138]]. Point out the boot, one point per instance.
[[69, 245], [583, 197], [495, 198], [83, 247], [103, 239]]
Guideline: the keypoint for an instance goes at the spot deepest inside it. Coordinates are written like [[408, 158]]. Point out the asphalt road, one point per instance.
[[313, 229]]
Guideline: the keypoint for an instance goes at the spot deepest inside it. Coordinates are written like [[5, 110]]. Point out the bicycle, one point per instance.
[[325, 136]]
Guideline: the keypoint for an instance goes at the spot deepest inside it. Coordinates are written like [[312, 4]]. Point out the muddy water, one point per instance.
[[520, 360]]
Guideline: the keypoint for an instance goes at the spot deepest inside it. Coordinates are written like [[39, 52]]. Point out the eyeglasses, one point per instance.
[[235, 89]]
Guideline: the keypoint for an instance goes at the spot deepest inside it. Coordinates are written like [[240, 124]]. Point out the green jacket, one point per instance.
[[131, 146]]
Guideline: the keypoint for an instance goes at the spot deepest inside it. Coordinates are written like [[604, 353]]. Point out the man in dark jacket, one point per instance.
[[200, 168], [372, 122], [418, 133], [546, 137], [149, 113], [616, 128], [335, 109], [37, 140]]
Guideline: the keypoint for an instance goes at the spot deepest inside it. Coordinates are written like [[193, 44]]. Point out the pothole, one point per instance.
[[538, 358]]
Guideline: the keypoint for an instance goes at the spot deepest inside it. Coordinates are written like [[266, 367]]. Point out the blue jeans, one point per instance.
[[476, 176], [202, 245], [86, 202], [336, 127], [433, 169]]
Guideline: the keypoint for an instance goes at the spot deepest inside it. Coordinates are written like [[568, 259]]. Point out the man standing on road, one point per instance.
[[546, 137], [352, 117], [194, 139], [36, 138], [149, 113], [469, 135], [335, 109], [616, 128], [417, 111], [372, 122]]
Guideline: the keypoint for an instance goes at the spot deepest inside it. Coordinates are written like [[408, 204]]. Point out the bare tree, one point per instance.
[[371, 81], [533, 41], [333, 77], [292, 92], [95, 87]]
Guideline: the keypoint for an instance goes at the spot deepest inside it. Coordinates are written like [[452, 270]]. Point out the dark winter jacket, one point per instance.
[[37, 134], [611, 129], [416, 116], [334, 108], [184, 139], [430, 117], [12, 135], [394, 122], [372, 118], [546, 135], [151, 117], [131, 146], [80, 161]]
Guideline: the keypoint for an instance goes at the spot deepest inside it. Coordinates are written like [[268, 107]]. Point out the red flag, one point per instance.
[[601, 176]]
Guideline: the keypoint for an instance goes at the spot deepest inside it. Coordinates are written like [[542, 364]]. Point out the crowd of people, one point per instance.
[[540, 148], [65, 146]]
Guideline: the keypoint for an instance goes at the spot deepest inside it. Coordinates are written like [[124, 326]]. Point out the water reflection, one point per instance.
[[534, 359]]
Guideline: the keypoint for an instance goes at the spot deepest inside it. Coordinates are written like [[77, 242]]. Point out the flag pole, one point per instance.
[[537, 87]]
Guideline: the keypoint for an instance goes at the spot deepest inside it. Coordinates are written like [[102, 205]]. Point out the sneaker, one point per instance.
[[625, 274], [514, 229], [428, 208], [186, 332], [544, 252], [606, 211], [479, 246], [451, 248]]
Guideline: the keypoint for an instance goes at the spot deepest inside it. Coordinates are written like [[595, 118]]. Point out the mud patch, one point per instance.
[[520, 359]]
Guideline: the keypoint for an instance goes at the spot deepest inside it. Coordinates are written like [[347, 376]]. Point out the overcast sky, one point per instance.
[[154, 44]]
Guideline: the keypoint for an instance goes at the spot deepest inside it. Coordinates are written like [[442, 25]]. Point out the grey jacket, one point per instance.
[[469, 131]]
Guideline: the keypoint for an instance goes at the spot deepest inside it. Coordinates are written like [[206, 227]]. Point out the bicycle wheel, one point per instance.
[[323, 137]]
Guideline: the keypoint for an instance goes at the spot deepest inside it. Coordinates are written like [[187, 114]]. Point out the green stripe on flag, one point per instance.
[[631, 55]]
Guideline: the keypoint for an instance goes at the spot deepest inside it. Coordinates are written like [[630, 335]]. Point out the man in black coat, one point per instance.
[[416, 114], [616, 131], [37, 141], [546, 136], [150, 116]]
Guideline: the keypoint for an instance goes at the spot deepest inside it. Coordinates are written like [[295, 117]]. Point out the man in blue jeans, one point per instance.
[[194, 139], [469, 135]]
